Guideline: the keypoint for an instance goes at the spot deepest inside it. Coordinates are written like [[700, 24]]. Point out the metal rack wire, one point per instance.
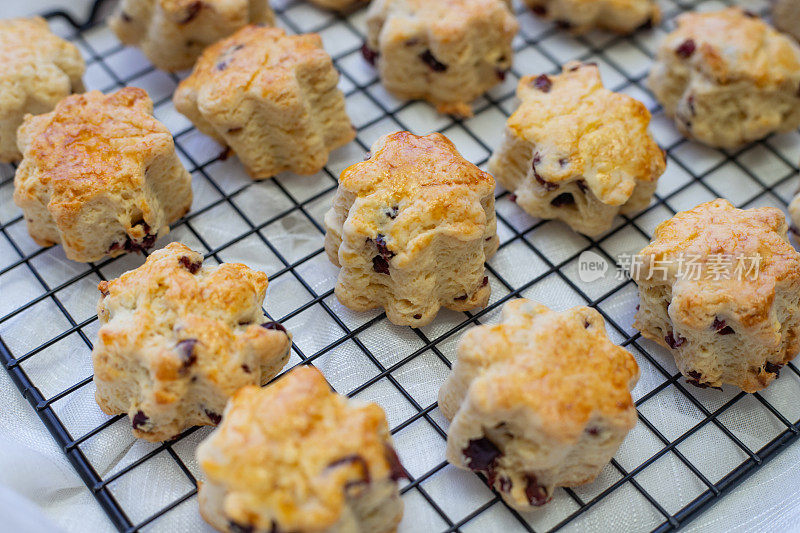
[[66, 293]]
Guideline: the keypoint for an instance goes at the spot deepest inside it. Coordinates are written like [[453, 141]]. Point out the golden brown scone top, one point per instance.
[[578, 127], [172, 298], [255, 62], [732, 45], [711, 232], [91, 144], [560, 366], [423, 184], [290, 452], [184, 11]]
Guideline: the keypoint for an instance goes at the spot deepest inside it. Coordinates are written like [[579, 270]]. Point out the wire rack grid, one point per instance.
[[275, 225]]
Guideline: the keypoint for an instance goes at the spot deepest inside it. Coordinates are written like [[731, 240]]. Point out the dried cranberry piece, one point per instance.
[[188, 264], [125, 17], [460, 298], [273, 325], [139, 419], [380, 265], [587, 324], [543, 83], [695, 377], [246, 368], [214, 417], [593, 431], [481, 454], [535, 493], [539, 10], [563, 24], [369, 54], [392, 212], [131, 245], [563, 200], [563, 162], [383, 249], [686, 48], [353, 459], [233, 131], [512, 198], [721, 327], [433, 63], [485, 281], [546, 185], [417, 316], [674, 340], [500, 73], [185, 349], [191, 12], [794, 229], [772, 368], [505, 484], [396, 470]]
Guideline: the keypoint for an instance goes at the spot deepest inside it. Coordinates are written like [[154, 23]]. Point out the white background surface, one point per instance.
[[32, 466]]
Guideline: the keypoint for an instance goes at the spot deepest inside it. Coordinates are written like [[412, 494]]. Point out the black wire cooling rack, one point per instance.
[[740, 431]]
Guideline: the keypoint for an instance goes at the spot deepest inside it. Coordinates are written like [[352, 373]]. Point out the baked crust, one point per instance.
[[571, 135], [177, 339], [538, 401], [580, 16], [173, 33], [295, 456], [100, 175], [273, 98], [412, 227], [722, 330], [728, 78], [39, 69]]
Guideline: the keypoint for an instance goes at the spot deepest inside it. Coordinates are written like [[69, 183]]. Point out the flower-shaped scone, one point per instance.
[[540, 400], [728, 78], [295, 456], [271, 97], [173, 33], [580, 16], [448, 52], [786, 16], [178, 339], [577, 152], [720, 288], [411, 228], [39, 69], [100, 175]]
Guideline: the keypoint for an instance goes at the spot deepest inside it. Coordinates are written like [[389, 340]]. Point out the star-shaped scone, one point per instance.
[[728, 78], [448, 52], [179, 338], [720, 287], [173, 33], [577, 152], [540, 400], [100, 175], [580, 16], [295, 456], [39, 69], [411, 228], [272, 98]]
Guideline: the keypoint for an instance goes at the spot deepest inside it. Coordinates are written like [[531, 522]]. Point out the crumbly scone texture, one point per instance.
[[295, 456], [173, 33], [39, 69], [728, 78], [538, 401], [100, 175], [720, 288], [412, 227], [272, 98], [179, 338], [447, 52], [786, 16], [580, 16], [577, 152]]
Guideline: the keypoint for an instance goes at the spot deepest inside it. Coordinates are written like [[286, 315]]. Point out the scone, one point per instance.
[[540, 400], [577, 152], [39, 69], [728, 78], [412, 227], [297, 457], [720, 287], [178, 339], [173, 33], [100, 175], [448, 52], [271, 97], [580, 16]]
